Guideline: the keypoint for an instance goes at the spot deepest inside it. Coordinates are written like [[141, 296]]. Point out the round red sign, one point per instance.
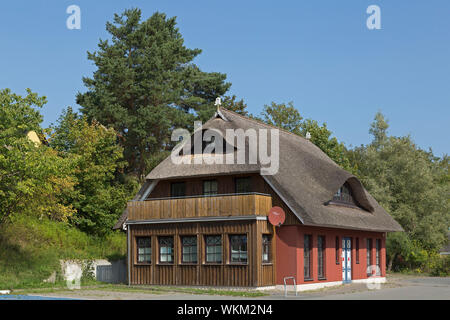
[[276, 216]]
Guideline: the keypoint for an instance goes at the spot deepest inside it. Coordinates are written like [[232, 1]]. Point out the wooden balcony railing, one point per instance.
[[200, 206]]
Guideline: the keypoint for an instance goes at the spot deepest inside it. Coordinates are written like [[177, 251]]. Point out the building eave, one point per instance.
[[201, 219]]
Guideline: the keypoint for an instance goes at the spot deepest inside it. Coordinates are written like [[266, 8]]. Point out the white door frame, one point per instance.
[[346, 259]]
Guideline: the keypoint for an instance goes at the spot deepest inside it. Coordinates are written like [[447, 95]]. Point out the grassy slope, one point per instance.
[[30, 250]]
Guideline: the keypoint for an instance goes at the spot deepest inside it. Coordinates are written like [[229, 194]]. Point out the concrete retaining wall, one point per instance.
[[99, 269]]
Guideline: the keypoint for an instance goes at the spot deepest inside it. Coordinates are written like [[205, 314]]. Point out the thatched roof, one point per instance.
[[306, 180]]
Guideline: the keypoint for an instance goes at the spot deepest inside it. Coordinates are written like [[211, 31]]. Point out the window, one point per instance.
[[378, 257], [266, 248], [178, 189], [344, 195], [321, 257], [307, 257], [337, 250], [243, 185], [210, 187], [357, 250], [144, 250], [166, 249], [369, 256], [213, 249], [238, 248], [189, 249]]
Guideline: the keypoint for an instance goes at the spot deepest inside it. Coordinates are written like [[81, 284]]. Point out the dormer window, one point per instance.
[[209, 146], [211, 142], [344, 195]]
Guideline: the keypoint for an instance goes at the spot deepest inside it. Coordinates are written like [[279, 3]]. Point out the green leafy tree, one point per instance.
[[397, 244], [283, 116], [321, 137], [288, 118], [33, 178], [410, 183], [146, 84], [99, 197], [378, 129]]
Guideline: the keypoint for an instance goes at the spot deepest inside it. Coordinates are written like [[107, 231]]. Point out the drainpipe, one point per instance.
[[128, 255]]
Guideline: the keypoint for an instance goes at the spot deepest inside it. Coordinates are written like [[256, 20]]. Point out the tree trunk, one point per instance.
[[391, 260]]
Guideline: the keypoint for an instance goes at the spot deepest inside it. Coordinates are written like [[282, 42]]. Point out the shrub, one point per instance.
[[440, 266]]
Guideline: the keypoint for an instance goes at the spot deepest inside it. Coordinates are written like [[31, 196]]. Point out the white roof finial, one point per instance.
[[308, 135], [218, 103]]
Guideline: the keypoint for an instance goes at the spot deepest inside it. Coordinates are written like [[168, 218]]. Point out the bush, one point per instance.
[[440, 266], [410, 256]]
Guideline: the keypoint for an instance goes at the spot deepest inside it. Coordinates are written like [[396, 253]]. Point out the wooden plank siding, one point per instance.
[[225, 205], [158, 205], [252, 274], [226, 185]]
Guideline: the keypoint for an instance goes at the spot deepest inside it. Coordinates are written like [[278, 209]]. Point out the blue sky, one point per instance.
[[318, 54]]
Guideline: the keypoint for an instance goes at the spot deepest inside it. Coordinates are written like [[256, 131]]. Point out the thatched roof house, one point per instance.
[[305, 185]]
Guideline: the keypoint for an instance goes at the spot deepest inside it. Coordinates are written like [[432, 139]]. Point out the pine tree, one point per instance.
[[230, 103], [146, 84]]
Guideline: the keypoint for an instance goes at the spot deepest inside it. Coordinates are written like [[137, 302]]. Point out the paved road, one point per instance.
[[397, 288], [27, 297], [409, 289]]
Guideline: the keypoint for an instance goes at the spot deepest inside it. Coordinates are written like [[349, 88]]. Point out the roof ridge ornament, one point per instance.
[[308, 135], [218, 103]]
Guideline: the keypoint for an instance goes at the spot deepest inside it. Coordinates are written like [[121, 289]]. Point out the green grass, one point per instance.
[[148, 290], [220, 292], [30, 250]]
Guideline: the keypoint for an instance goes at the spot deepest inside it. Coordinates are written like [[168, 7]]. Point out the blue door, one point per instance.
[[346, 260]]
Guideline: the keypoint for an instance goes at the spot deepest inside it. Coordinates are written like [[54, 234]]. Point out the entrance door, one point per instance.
[[346, 260]]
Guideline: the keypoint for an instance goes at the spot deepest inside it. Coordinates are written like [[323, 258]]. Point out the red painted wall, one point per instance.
[[289, 253]]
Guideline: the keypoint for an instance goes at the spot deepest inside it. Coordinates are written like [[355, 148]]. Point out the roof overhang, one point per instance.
[[190, 220]]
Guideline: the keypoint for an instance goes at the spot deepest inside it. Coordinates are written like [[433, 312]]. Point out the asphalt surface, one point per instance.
[[27, 297], [397, 288], [408, 289]]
